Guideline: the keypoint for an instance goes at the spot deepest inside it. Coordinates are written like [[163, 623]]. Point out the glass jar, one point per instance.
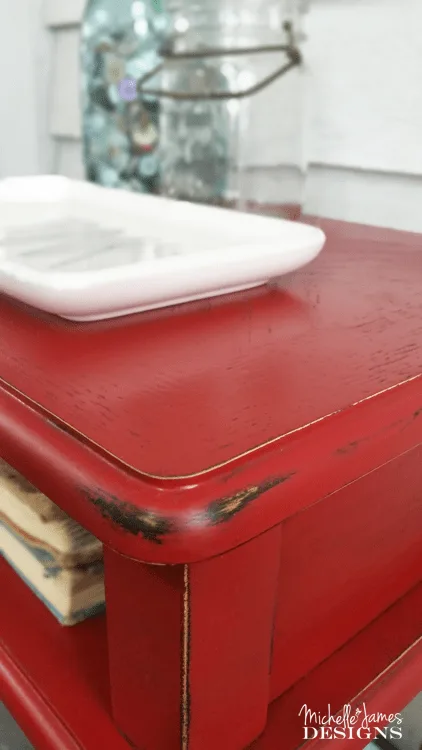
[[175, 100]]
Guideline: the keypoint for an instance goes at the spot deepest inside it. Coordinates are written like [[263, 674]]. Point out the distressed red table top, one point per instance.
[[175, 393]]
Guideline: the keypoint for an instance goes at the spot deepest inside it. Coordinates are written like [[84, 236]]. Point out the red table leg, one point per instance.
[[190, 647]]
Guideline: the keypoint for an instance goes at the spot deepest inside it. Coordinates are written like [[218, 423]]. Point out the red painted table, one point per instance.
[[253, 466]]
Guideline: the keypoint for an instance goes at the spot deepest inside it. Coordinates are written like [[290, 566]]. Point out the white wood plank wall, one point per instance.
[[364, 131]]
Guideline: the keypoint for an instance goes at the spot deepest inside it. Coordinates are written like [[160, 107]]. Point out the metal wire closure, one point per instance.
[[294, 58]]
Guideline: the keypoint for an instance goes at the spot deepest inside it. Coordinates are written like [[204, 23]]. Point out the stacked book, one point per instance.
[[60, 561]]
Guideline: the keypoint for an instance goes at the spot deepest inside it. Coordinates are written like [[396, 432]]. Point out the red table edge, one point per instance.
[[393, 689], [36, 718], [191, 520]]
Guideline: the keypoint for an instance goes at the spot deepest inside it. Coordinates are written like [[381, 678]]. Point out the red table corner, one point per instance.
[[253, 466]]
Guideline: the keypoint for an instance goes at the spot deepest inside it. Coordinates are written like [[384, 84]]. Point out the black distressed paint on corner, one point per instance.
[[136, 521], [220, 511]]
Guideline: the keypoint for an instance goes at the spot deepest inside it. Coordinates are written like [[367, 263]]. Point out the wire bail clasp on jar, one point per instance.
[[170, 56]]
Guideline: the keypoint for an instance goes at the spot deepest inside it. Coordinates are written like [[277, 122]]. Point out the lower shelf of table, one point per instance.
[[54, 680]]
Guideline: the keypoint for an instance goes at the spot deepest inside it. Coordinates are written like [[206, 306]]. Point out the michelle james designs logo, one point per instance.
[[350, 724]]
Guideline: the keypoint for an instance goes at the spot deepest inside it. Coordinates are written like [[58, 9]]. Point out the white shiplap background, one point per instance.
[[364, 133]]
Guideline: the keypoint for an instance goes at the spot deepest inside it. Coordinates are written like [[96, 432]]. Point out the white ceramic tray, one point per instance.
[[86, 253]]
